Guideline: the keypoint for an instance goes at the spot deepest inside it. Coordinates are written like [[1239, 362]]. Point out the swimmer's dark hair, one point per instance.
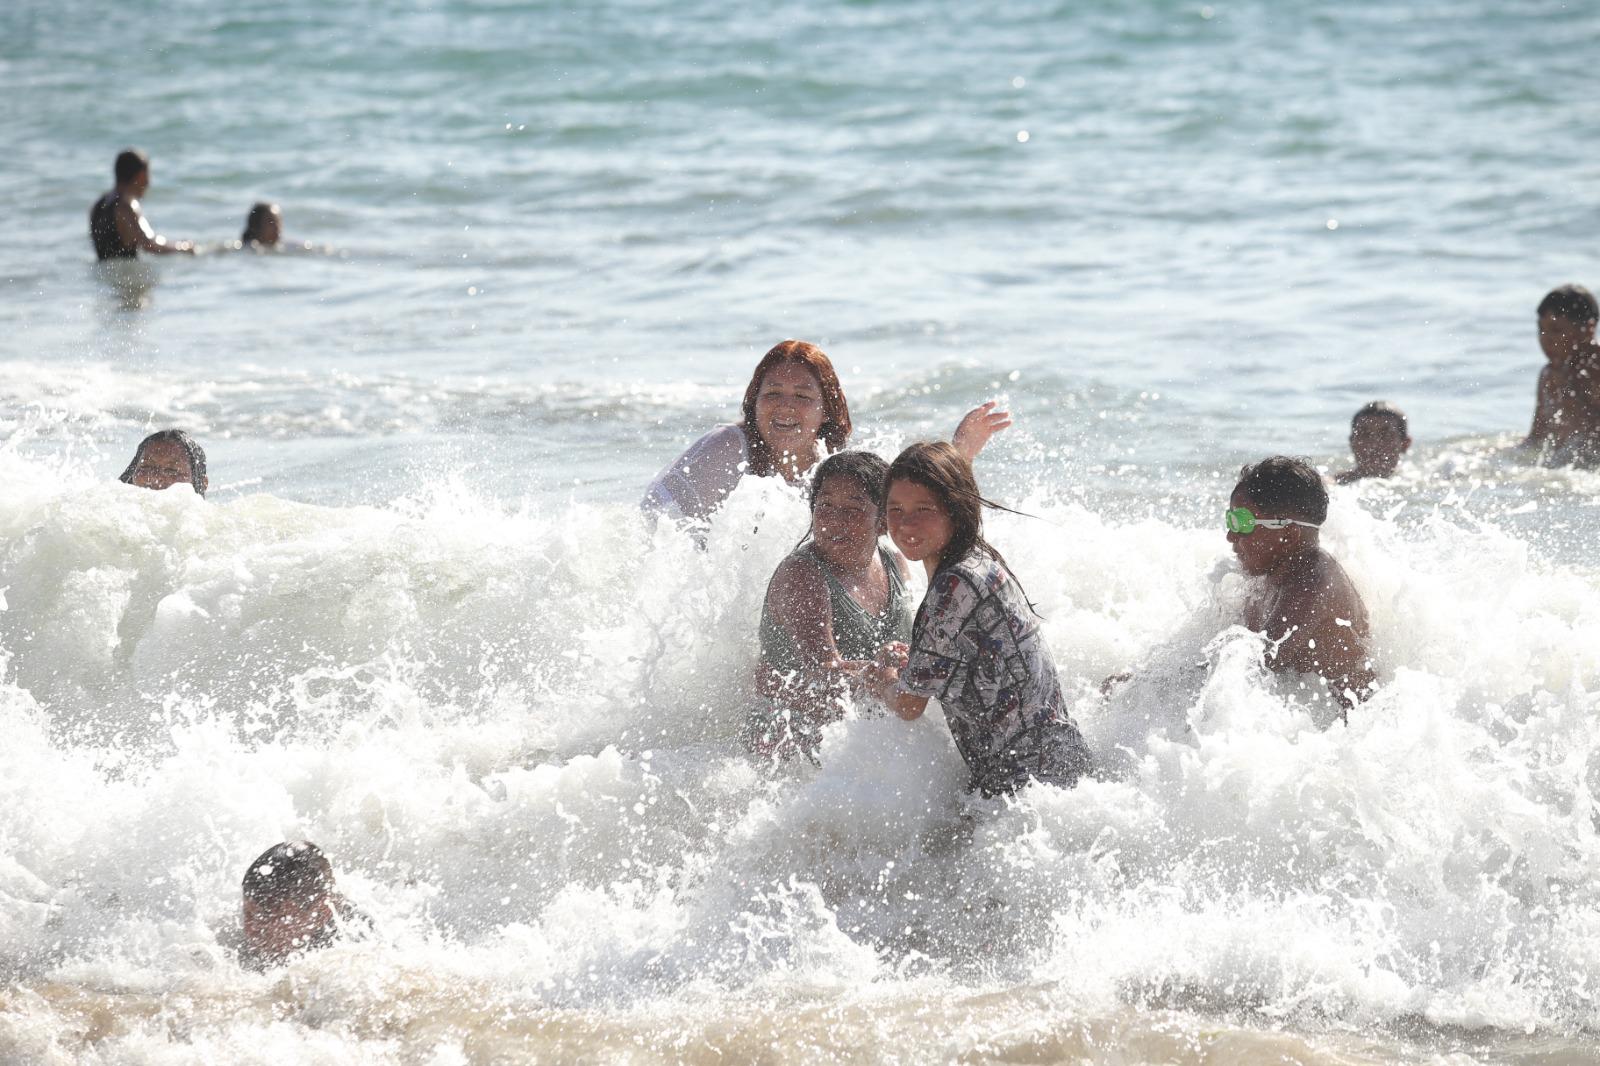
[[294, 870], [1288, 485], [865, 469], [1573, 303], [130, 164], [255, 220], [191, 448], [1383, 409]]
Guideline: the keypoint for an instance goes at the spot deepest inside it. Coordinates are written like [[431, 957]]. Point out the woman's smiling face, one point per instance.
[[789, 411]]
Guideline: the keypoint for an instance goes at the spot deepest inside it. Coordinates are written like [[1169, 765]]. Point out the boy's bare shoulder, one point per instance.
[[1325, 587]]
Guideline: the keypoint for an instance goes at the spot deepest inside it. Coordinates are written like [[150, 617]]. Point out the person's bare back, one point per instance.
[[1316, 623]]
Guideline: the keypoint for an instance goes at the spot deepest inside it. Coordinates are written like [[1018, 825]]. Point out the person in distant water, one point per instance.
[[832, 607], [1378, 438], [263, 227], [1306, 605], [291, 904], [1567, 412], [1566, 416], [794, 414], [117, 225], [976, 646], [164, 459]]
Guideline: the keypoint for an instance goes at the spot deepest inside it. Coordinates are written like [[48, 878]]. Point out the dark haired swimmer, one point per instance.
[[263, 227], [291, 905], [164, 459], [117, 225], [1566, 417], [835, 604], [1378, 438], [1306, 605]]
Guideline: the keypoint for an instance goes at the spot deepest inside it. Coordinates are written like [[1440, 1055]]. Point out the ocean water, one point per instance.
[[419, 621]]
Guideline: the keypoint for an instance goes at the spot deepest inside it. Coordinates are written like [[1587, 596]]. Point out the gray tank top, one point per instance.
[[856, 633]]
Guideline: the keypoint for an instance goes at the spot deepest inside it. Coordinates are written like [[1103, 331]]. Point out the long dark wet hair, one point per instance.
[[836, 412], [946, 473], [191, 448]]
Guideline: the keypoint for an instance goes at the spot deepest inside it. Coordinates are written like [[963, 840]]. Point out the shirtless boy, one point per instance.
[[1378, 438], [1305, 604], [117, 225], [1566, 417]]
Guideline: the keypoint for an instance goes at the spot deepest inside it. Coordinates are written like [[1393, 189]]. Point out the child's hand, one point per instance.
[[977, 426], [892, 656]]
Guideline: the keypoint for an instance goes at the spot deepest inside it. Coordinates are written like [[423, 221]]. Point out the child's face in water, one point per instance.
[[1264, 550], [919, 525], [845, 522], [277, 931], [1377, 442], [163, 464]]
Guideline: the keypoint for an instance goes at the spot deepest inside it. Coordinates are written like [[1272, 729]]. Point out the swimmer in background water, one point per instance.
[[1378, 438], [794, 413], [1566, 416], [117, 225], [263, 227], [832, 607], [166, 458], [976, 645], [290, 905]]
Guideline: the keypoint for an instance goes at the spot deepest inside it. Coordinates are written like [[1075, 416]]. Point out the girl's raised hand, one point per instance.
[[977, 426]]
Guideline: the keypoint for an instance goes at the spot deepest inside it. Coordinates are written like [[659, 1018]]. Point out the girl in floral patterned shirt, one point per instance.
[[976, 645]]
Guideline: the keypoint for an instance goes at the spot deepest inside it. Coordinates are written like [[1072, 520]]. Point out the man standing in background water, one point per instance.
[[117, 226]]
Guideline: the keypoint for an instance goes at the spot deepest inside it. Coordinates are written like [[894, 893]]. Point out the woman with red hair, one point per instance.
[[794, 415]]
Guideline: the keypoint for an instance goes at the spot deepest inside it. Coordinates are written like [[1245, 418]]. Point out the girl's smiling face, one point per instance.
[[789, 410], [845, 522], [919, 525]]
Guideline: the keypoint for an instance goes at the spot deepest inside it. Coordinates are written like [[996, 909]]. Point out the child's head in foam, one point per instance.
[[290, 903], [165, 458]]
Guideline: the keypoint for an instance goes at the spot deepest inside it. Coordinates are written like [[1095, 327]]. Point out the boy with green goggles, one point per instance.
[[1242, 520]]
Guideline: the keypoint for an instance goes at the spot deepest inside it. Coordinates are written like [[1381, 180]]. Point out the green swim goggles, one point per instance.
[[1243, 521]]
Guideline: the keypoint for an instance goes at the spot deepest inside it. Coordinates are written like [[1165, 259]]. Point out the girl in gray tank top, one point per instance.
[[831, 608]]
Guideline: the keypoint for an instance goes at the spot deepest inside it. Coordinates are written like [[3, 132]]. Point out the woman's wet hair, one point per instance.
[[836, 413], [191, 448], [257, 219], [1289, 486], [866, 470], [295, 870]]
